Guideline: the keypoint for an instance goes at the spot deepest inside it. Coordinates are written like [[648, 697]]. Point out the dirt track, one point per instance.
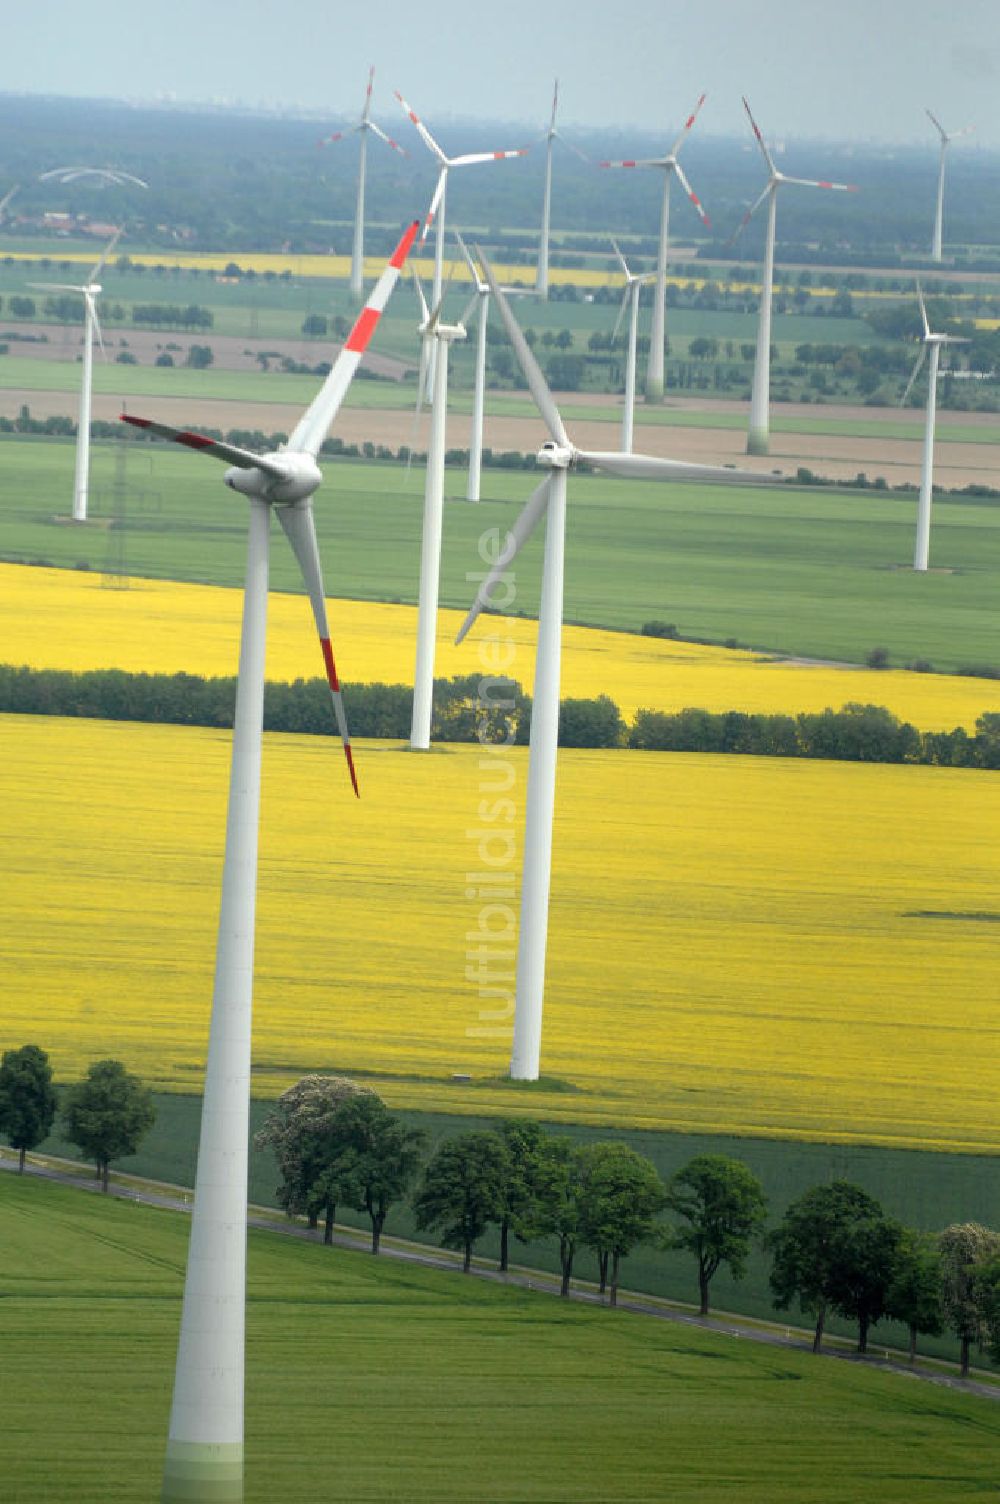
[[838, 456]]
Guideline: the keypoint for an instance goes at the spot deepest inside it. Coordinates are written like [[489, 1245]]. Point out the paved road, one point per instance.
[[537, 1280]]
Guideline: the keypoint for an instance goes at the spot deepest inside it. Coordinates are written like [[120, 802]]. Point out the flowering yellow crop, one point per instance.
[[735, 944], [51, 618]]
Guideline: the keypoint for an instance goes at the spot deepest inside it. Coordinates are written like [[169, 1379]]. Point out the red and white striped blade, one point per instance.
[[822, 183], [314, 425], [243, 459], [522, 529], [760, 140], [367, 107], [486, 156], [329, 140], [699, 206], [686, 128], [300, 530], [380, 133], [634, 162], [424, 133], [748, 216]]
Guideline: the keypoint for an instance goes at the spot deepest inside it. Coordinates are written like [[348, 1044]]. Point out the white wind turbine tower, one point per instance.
[[933, 343], [947, 137], [558, 455], [90, 292], [482, 297], [760, 397], [551, 135], [365, 125], [204, 1458], [669, 165], [433, 332], [630, 299], [437, 204]]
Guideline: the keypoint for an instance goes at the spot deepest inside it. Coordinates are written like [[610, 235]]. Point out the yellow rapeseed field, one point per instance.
[[51, 618], [736, 944]]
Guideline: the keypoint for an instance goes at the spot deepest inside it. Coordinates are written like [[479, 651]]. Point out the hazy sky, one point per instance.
[[850, 69]]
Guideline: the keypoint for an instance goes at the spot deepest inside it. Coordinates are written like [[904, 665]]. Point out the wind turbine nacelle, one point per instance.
[[301, 478], [553, 456]]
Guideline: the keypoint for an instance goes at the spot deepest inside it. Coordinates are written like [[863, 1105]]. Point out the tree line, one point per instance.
[[336, 1143], [856, 733]]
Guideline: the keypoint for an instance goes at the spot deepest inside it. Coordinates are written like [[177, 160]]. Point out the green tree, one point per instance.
[[724, 1208], [987, 1291], [199, 357], [519, 1191], [314, 323], [965, 1250], [27, 1099], [462, 1190], [107, 1114], [559, 1210], [915, 1292], [835, 1250], [309, 1147], [381, 1158], [620, 1196]]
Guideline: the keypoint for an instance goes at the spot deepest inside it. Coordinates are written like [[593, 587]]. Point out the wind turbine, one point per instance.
[[106, 175], [437, 204], [760, 397], [558, 455], [669, 165], [933, 343], [6, 200], [433, 332], [946, 139], [91, 326], [481, 296], [630, 299], [204, 1457], [551, 135], [364, 125]]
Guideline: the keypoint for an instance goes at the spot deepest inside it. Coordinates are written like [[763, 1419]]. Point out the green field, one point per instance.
[[809, 571], [925, 1190], [371, 1380]]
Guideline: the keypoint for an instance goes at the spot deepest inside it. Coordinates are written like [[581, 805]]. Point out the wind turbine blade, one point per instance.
[[621, 315], [635, 162], [621, 260], [469, 308], [300, 530], [337, 136], [424, 310], [470, 158], [748, 216], [435, 202], [422, 130], [537, 385], [524, 525], [98, 266], [923, 310], [387, 139], [822, 183], [555, 106], [913, 375], [54, 287], [243, 459], [938, 126], [760, 141], [314, 425], [367, 107], [646, 467], [92, 305], [685, 131], [699, 206], [575, 149], [477, 280], [7, 198]]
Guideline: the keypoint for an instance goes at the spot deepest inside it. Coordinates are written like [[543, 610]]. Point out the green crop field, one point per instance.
[[923, 1189], [816, 572], [371, 1380]]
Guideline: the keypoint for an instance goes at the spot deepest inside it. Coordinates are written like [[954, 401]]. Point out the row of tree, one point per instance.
[[106, 1115], [834, 1251], [462, 713]]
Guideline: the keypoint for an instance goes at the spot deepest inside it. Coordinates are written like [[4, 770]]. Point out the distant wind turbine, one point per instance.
[[947, 137], [6, 200], [104, 175], [558, 456], [551, 135], [365, 125], [933, 343], [90, 292], [205, 1447], [669, 165], [630, 299], [758, 437]]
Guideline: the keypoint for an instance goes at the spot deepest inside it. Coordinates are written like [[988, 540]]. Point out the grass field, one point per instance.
[[159, 626], [809, 572], [372, 1381], [771, 971]]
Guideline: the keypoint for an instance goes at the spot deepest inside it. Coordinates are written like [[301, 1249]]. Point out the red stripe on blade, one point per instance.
[[331, 667], [350, 768], [195, 440], [137, 422], [402, 250], [362, 332]]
